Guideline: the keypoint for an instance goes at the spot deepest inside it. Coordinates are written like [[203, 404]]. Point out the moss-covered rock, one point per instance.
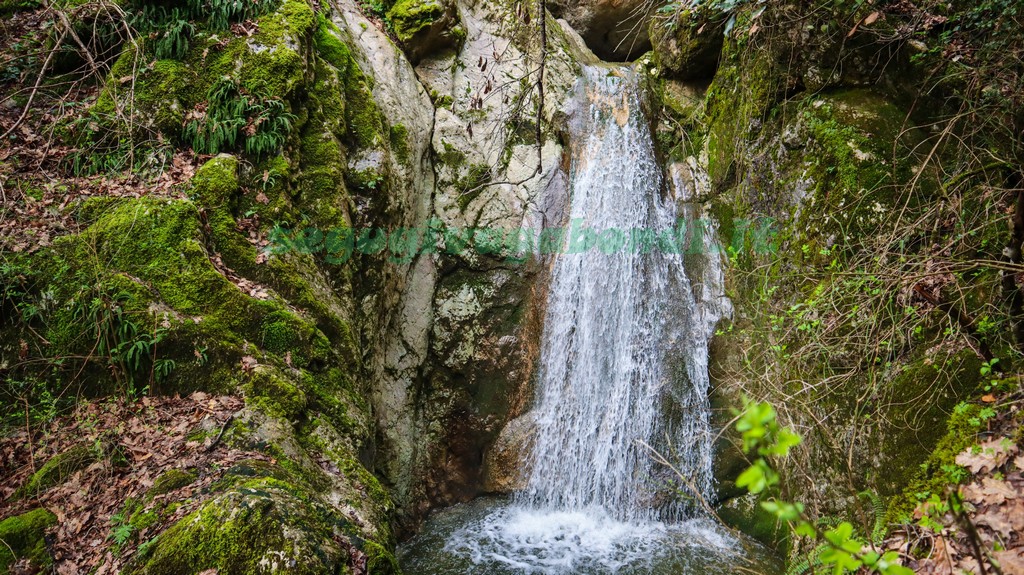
[[170, 480], [59, 469], [273, 393], [23, 538], [263, 525], [424, 26], [263, 518], [746, 514], [689, 46], [939, 469]]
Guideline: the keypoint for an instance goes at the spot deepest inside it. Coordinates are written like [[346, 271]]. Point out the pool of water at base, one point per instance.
[[493, 536]]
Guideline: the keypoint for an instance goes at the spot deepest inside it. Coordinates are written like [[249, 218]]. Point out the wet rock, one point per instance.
[[506, 467]]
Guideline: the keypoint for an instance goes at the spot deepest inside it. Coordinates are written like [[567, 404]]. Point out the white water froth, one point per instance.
[[536, 542]]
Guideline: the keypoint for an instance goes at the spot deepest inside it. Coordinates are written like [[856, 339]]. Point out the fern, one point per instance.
[[236, 117], [173, 41], [811, 561], [221, 13], [878, 508]]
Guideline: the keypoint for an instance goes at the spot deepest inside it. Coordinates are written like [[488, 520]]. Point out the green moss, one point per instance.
[[379, 559], [400, 142], [170, 480], [940, 469], [147, 252], [470, 185], [23, 538], [408, 17], [144, 520], [272, 393], [263, 525], [216, 182], [342, 455], [330, 48], [163, 92], [59, 469], [743, 90]]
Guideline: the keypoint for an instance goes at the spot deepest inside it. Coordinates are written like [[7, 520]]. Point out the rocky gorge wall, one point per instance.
[[388, 381]]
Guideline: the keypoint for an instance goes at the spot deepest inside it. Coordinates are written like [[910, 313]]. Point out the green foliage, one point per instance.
[[173, 40], [174, 27], [842, 551], [237, 117], [126, 348], [101, 148]]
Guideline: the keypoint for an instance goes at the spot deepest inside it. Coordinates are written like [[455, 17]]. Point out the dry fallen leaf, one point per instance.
[[1003, 519], [990, 491], [1011, 561], [987, 456]]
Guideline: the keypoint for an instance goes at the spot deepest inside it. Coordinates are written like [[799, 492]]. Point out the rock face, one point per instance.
[[688, 45], [811, 153], [505, 466], [616, 30], [453, 359]]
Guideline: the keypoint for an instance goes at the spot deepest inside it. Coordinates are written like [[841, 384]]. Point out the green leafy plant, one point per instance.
[[128, 350], [236, 116], [173, 40], [841, 550], [121, 529]]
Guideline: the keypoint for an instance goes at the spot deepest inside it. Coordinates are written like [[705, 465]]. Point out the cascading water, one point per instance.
[[624, 353], [615, 314]]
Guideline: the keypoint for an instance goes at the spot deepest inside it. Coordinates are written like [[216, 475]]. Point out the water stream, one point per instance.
[[623, 372]]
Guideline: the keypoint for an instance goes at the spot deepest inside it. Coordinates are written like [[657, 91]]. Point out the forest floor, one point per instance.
[[104, 502], [979, 527]]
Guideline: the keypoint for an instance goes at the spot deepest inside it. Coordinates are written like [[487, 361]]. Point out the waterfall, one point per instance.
[[622, 340], [624, 359]]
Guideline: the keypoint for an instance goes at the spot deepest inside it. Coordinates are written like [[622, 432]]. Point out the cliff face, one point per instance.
[[314, 264], [865, 229], [381, 369]]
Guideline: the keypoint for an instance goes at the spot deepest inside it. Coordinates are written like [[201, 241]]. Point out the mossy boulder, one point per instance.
[[424, 26], [274, 393], [746, 514], [263, 519], [170, 480], [272, 60], [263, 526], [23, 538], [59, 469]]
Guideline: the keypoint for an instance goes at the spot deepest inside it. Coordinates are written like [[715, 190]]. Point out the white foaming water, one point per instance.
[[624, 353], [531, 541]]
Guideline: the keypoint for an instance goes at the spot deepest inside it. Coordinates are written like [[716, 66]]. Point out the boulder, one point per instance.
[[687, 47], [505, 465]]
